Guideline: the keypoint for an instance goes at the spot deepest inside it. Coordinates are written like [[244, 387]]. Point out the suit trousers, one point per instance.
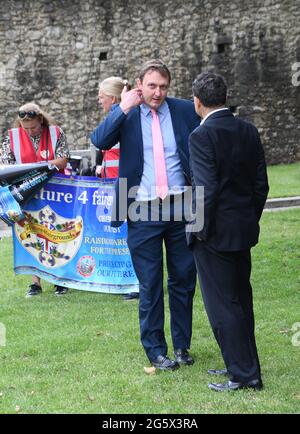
[[227, 294], [145, 242]]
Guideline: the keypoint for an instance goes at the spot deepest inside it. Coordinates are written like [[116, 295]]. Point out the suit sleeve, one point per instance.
[[107, 134], [204, 173], [261, 186]]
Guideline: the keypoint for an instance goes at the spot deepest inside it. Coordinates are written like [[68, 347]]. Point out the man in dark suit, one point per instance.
[[148, 125], [227, 158]]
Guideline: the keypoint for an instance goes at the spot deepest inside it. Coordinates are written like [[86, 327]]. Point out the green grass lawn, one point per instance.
[[284, 180], [81, 353]]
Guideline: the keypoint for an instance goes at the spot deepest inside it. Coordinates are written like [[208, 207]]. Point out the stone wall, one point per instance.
[[55, 52]]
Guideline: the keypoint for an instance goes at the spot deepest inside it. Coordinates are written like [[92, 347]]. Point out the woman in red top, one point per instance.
[[35, 138], [110, 91]]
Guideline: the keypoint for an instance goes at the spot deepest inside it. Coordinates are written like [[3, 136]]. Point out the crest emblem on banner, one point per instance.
[[51, 239], [86, 266]]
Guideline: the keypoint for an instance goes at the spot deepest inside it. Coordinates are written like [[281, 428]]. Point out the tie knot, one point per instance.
[[154, 113]]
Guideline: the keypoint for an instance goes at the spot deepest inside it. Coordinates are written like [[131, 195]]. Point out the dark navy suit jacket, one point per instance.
[[126, 130], [227, 158]]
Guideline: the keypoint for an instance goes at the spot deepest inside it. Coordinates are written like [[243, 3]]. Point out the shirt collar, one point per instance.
[[210, 113], [161, 110]]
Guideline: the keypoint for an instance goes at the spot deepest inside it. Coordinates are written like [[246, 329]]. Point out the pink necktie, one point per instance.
[[161, 179]]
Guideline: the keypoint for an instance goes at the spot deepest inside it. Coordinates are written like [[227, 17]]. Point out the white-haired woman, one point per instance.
[[110, 91], [35, 138]]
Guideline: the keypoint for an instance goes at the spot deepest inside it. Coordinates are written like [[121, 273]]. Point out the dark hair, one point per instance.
[[155, 65], [211, 89]]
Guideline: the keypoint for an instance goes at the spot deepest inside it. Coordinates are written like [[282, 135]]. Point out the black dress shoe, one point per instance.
[[131, 296], [183, 357], [164, 363], [217, 371], [231, 385]]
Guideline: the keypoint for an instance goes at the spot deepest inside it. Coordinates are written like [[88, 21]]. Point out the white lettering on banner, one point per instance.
[[83, 197], [102, 199], [102, 240], [54, 196], [68, 197], [109, 251], [99, 198], [110, 229], [104, 218], [119, 246]]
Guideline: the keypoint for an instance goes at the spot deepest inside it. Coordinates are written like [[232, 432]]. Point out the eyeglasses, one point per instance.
[[30, 114]]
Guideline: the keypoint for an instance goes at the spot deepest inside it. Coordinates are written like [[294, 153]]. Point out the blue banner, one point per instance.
[[66, 237]]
